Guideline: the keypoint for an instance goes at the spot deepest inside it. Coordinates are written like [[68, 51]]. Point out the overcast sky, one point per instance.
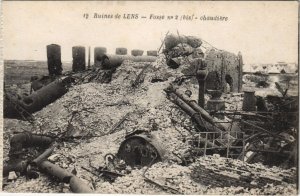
[[265, 32]]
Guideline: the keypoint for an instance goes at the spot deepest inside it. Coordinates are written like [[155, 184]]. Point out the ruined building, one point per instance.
[[225, 71]]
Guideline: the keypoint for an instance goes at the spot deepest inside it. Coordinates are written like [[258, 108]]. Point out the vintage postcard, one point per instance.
[[150, 97]]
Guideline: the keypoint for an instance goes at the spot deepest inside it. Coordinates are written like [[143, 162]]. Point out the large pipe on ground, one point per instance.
[[13, 104], [216, 126], [194, 110], [25, 140], [187, 109], [193, 104], [78, 53], [54, 59], [76, 185], [114, 61]]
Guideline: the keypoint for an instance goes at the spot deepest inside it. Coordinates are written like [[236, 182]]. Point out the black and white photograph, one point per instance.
[[150, 97]]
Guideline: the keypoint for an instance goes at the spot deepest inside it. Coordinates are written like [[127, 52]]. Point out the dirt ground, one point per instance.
[[97, 107]]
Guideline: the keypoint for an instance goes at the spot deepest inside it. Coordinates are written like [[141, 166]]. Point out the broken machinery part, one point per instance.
[[141, 150]]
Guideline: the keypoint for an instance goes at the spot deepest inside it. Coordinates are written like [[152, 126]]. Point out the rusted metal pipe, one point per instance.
[[201, 75], [121, 51], [192, 103], [54, 59], [44, 155], [76, 185], [56, 171], [25, 140], [114, 61], [78, 54], [37, 100], [99, 52], [204, 126], [137, 52], [152, 53]]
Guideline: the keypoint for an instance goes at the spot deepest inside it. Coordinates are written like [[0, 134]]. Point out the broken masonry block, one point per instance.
[[12, 176]]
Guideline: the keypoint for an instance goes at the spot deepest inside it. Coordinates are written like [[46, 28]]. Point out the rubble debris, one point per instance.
[[173, 63], [221, 172], [262, 84], [280, 89], [180, 179], [12, 176], [113, 129], [16, 166], [140, 77], [157, 125], [228, 66], [172, 41]]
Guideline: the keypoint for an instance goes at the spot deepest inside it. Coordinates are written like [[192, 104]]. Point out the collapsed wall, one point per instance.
[[225, 70]]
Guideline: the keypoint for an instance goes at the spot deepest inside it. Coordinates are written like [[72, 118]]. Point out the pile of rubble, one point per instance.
[[90, 122], [88, 111], [173, 178]]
